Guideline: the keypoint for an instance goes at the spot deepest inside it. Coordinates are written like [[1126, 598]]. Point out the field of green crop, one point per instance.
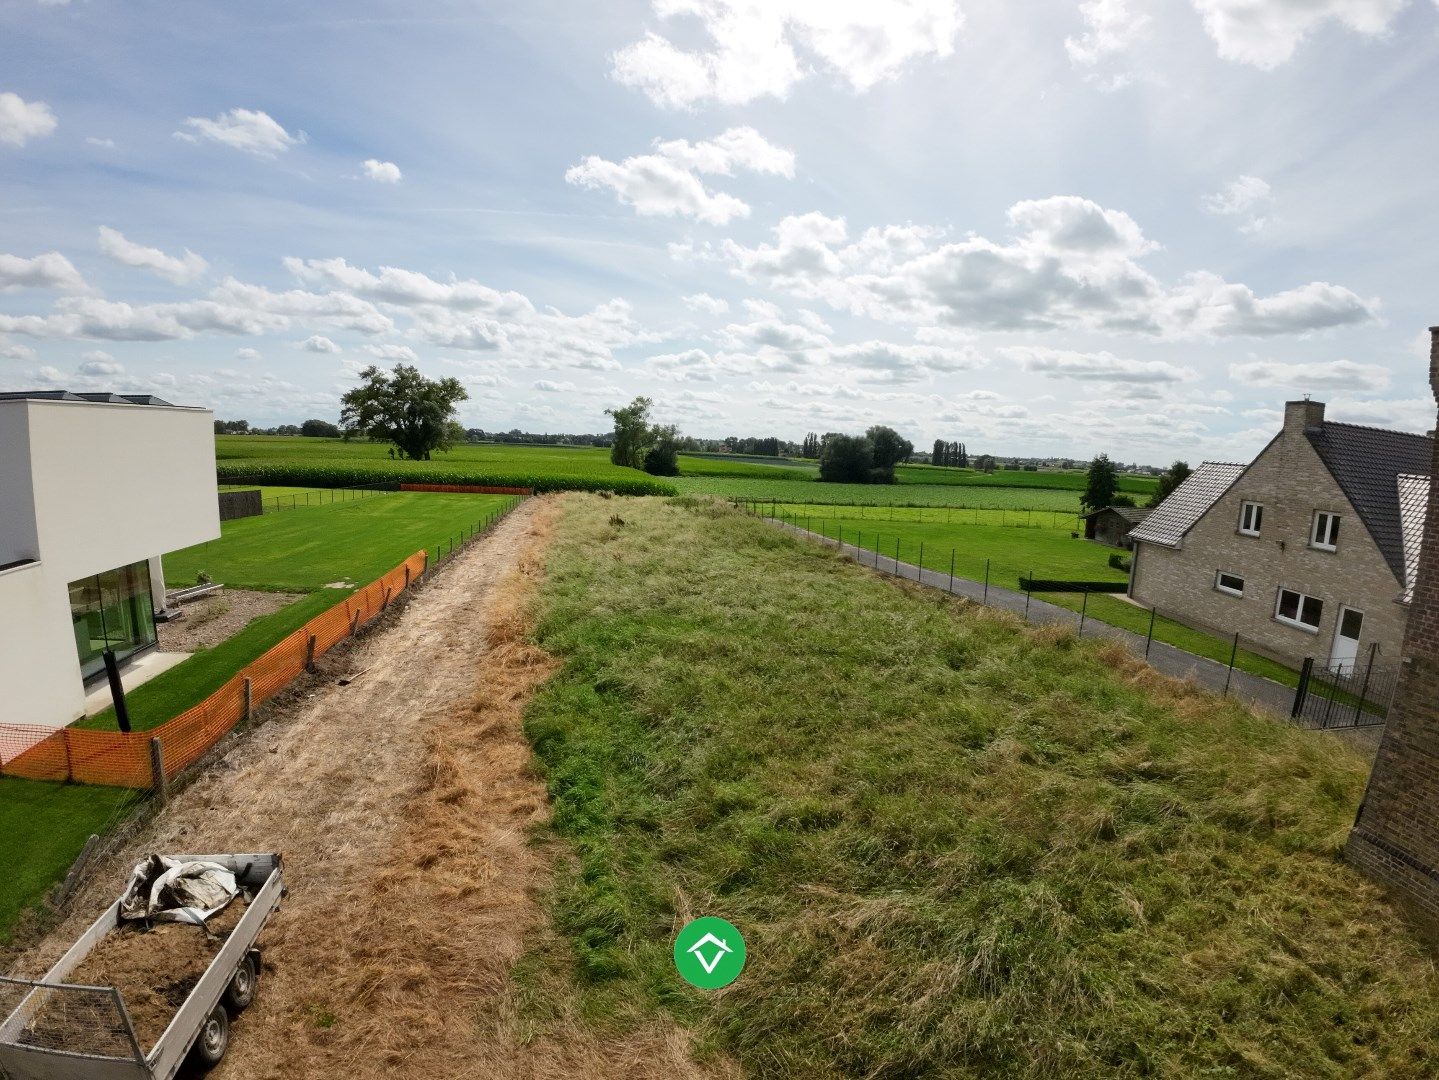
[[813, 492], [1065, 480], [295, 461], [692, 465], [956, 846]]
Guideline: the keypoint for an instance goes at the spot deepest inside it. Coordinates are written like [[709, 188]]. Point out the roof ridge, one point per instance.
[[1374, 427]]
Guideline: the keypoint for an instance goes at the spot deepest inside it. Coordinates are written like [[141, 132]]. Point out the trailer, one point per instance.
[[104, 1045]]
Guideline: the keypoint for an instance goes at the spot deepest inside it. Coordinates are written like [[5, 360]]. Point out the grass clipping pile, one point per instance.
[[154, 969]]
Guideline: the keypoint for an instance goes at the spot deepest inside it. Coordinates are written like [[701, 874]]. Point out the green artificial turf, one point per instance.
[[956, 846]]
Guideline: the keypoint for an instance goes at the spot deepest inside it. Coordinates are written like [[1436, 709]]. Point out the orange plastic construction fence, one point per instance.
[[468, 489], [123, 759]]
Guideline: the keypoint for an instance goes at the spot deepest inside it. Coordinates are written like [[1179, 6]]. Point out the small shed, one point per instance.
[[1111, 524]]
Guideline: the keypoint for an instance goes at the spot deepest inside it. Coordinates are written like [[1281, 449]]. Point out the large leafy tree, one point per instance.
[[1101, 484], [889, 450], [403, 408], [846, 459], [632, 433], [1172, 477]]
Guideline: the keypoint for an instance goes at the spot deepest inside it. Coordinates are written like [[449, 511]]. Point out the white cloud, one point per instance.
[[250, 130], [10, 350], [248, 354], [753, 45], [666, 182], [318, 343], [549, 386], [48, 271], [407, 288], [1318, 375], [1111, 31], [1265, 33], [706, 303], [100, 363], [383, 172], [179, 269], [399, 353], [21, 120], [1072, 263], [103, 144], [1243, 198], [1097, 366]]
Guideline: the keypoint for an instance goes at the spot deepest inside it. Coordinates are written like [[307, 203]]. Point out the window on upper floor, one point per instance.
[[1232, 584], [1251, 518], [1325, 533], [1299, 610]]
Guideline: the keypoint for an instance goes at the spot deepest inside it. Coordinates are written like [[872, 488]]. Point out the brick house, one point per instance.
[[1396, 832], [1303, 550]]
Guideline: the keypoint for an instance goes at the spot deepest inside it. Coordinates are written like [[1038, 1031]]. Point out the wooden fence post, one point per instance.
[[249, 701], [159, 785], [355, 623], [310, 654], [386, 602]]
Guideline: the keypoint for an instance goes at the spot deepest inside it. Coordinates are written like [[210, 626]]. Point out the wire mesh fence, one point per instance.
[[82, 1020], [298, 500], [1353, 695]]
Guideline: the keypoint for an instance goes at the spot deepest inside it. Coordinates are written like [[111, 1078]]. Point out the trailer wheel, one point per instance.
[[213, 1041], [241, 990]]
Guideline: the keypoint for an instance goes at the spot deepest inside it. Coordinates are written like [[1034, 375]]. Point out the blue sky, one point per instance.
[[1051, 228]]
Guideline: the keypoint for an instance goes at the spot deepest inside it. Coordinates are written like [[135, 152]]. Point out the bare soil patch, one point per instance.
[[404, 804], [213, 619]]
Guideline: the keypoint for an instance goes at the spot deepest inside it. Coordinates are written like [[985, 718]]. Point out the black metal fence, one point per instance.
[[1354, 695]]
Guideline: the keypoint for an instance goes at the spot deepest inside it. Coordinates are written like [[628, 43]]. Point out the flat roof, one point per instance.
[[87, 396]]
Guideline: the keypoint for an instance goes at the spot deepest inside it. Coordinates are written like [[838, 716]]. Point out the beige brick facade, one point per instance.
[[1291, 482]]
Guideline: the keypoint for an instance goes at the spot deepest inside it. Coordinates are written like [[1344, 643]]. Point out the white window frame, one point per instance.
[[1298, 624], [1331, 521], [1219, 576], [1244, 515]]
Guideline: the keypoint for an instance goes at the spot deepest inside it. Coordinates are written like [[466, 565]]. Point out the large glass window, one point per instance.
[[113, 610]]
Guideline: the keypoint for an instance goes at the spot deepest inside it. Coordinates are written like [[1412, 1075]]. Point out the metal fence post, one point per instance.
[[1234, 652], [158, 783], [986, 581], [1149, 639], [920, 576], [1083, 611], [951, 569], [1364, 688], [1301, 692], [1028, 589], [896, 556]]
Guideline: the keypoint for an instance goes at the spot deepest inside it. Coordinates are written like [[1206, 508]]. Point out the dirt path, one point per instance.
[[404, 804]]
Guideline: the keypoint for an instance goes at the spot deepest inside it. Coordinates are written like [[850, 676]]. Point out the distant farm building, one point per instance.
[[1111, 525]]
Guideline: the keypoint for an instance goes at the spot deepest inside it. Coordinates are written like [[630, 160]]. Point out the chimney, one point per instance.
[[1434, 360], [1306, 415]]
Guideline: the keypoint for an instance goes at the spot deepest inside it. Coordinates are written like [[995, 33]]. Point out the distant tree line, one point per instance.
[[315, 429], [949, 453], [810, 447]]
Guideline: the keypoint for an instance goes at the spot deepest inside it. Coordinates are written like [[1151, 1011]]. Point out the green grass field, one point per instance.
[[297, 461], [955, 846], [940, 495], [304, 549], [1017, 543], [43, 826]]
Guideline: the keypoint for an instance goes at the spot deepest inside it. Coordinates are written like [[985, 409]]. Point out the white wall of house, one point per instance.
[[86, 487]]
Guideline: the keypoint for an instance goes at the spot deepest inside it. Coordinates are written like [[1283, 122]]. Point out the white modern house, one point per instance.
[[94, 488]]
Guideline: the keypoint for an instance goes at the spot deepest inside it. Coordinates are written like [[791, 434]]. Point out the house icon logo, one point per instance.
[[709, 953]]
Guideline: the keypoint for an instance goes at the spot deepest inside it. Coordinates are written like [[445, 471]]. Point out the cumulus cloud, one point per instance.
[[318, 343], [704, 302], [21, 120], [1317, 375], [103, 144], [10, 350], [549, 386], [100, 363], [1070, 263], [179, 269], [1111, 29], [1265, 33], [48, 271], [1244, 199], [247, 354], [1096, 366], [666, 182], [382, 172], [250, 130], [398, 353], [755, 48]]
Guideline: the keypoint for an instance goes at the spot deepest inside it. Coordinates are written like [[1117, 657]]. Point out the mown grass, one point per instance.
[[310, 547], [1067, 479], [298, 461], [43, 826], [1007, 545], [955, 846], [814, 492], [696, 465]]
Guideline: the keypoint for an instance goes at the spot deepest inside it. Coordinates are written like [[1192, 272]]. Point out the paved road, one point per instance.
[[1260, 692]]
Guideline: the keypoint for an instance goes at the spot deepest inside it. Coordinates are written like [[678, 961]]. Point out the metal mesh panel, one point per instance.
[[73, 1019]]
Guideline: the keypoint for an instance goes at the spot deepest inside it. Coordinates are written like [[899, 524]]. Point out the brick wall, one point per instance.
[[1396, 833], [1291, 482]]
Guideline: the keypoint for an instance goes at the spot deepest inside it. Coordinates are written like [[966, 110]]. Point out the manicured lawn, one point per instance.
[[285, 460], [310, 547], [43, 826], [955, 846], [1013, 544]]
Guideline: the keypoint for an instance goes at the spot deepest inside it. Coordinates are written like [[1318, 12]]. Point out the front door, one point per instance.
[[1346, 640]]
